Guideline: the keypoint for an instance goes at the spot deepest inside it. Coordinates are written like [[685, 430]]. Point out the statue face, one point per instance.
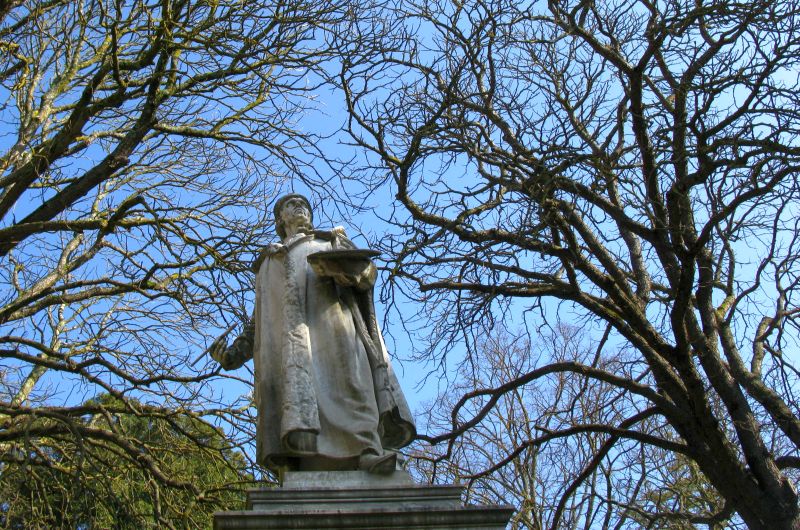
[[295, 212]]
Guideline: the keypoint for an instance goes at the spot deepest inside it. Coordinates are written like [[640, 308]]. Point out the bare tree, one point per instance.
[[637, 164], [141, 142], [535, 444]]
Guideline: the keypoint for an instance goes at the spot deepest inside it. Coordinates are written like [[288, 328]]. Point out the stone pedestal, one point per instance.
[[359, 500]]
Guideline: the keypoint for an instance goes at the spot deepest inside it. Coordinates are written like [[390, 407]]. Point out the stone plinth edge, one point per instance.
[[461, 518], [357, 500]]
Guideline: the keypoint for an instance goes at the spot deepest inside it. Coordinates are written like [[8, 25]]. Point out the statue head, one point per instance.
[[280, 216]]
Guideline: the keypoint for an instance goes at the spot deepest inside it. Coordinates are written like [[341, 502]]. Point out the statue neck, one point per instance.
[[293, 230]]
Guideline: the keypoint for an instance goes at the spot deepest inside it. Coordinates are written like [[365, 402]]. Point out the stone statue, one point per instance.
[[326, 394]]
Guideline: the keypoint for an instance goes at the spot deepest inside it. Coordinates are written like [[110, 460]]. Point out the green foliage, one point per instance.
[[70, 482]]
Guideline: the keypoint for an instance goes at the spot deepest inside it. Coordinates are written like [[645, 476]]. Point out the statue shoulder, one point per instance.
[[267, 252]]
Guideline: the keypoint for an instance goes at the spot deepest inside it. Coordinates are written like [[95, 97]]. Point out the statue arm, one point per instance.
[[363, 280], [239, 352], [339, 238]]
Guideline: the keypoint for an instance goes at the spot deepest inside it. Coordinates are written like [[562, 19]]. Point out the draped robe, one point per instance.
[[313, 373]]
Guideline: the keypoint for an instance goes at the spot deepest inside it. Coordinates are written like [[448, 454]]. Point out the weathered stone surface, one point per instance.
[[464, 518], [330, 410], [327, 480], [358, 500], [326, 394]]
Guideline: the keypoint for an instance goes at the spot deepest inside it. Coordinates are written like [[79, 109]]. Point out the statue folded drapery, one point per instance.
[[326, 394]]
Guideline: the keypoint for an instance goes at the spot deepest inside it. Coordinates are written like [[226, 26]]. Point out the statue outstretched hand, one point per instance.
[[218, 348], [233, 356]]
